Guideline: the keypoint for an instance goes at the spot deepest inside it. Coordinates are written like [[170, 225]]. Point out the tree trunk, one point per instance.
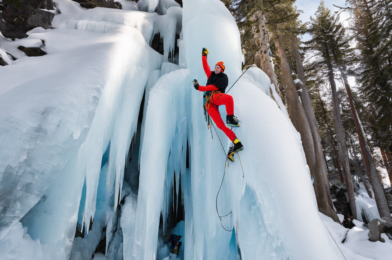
[[378, 188], [387, 164], [332, 140], [320, 169], [301, 123], [341, 137], [364, 178], [265, 60]]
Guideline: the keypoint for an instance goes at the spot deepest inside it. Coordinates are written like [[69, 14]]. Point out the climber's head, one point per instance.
[[219, 67]]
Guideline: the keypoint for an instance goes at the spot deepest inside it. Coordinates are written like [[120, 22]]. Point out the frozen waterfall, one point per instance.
[[81, 151]]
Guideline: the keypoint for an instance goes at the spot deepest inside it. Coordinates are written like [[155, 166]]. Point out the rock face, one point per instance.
[[32, 51], [20, 16], [3, 62], [388, 196], [99, 3], [339, 198], [376, 228]]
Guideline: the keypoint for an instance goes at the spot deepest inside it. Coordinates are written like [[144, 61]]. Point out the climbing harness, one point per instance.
[[208, 98]]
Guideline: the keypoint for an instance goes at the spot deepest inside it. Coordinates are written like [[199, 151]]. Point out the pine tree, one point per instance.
[[372, 24], [326, 37], [258, 20], [282, 21]]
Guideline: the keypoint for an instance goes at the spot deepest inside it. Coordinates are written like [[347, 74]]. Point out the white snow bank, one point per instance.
[[104, 20], [54, 114], [357, 245]]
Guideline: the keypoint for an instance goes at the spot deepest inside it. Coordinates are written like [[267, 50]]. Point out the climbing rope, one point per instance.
[[239, 158], [248, 66], [216, 202], [333, 238], [223, 178]]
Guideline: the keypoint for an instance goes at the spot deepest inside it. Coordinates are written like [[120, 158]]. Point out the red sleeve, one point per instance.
[[208, 88], [206, 68]]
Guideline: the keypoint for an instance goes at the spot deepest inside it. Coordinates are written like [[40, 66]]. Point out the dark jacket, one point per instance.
[[218, 80]]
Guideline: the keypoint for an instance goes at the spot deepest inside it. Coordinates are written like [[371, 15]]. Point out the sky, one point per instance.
[[309, 8]]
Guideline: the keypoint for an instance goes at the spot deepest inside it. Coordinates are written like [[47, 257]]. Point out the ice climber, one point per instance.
[[214, 96]]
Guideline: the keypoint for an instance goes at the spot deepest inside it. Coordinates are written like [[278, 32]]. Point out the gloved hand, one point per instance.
[[204, 52], [195, 84]]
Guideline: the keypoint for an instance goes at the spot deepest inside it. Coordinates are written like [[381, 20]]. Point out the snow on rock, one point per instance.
[[12, 46], [296, 81], [357, 245], [5, 57]]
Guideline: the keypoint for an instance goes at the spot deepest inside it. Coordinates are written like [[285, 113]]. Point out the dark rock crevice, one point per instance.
[[32, 51], [89, 4], [20, 16]]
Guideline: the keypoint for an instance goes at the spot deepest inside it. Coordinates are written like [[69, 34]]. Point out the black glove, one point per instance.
[[204, 52], [196, 84]]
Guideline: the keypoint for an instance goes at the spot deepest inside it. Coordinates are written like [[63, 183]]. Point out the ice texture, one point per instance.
[[67, 122], [57, 119], [268, 204], [164, 5]]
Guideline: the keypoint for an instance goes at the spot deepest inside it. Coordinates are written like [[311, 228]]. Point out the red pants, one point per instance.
[[218, 100]]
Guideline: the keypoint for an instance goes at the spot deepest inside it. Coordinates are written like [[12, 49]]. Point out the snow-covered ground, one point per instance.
[[357, 245], [67, 121]]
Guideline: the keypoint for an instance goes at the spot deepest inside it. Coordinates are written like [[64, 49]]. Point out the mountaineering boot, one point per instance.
[[230, 155], [232, 121], [235, 149]]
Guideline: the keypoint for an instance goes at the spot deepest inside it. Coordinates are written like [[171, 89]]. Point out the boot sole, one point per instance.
[[236, 151]]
